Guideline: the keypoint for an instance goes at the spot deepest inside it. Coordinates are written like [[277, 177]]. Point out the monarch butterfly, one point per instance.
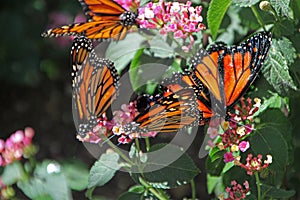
[[94, 84], [223, 74], [106, 19], [167, 112]]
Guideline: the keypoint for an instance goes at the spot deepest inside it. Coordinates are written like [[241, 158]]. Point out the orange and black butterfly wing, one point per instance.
[[205, 72], [106, 19], [226, 73], [101, 10], [94, 83], [240, 65], [169, 112]]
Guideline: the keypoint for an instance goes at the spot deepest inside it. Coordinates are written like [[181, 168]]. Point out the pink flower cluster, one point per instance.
[[254, 164], [180, 19], [234, 132], [118, 126], [14, 148], [236, 191]]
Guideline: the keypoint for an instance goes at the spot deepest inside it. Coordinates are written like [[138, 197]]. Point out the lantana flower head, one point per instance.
[[237, 191], [254, 164], [16, 146], [172, 17], [118, 126]]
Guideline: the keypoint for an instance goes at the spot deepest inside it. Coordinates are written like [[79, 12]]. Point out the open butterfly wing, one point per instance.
[[112, 28], [106, 19], [173, 111], [98, 10], [94, 83], [241, 64], [103, 86], [222, 75]]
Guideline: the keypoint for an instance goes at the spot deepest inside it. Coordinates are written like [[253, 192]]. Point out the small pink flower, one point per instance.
[[178, 34], [123, 139], [17, 137], [228, 157], [237, 191], [150, 134], [212, 132], [29, 132], [244, 145], [255, 164], [179, 18], [2, 145]]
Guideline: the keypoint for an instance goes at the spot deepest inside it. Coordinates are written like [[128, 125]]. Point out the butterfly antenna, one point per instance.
[[110, 137], [240, 124]]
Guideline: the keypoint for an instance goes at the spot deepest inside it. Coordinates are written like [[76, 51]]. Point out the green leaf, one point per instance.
[[216, 12], [139, 189], [276, 69], [76, 181], [46, 183], [287, 49], [180, 172], [134, 70], [234, 26], [214, 183], [277, 193], [121, 52], [147, 70], [274, 138], [274, 101], [235, 173], [215, 163], [12, 173], [244, 3], [130, 196], [281, 6], [104, 169], [284, 27], [160, 48]]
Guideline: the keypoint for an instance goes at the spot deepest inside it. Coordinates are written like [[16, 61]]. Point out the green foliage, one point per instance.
[[76, 181], [130, 196], [274, 138], [215, 163], [122, 52], [276, 68], [275, 193], [215, 14], [12, 173], [244, 3], [104, 169], [170, 175], [281, 7], [45, 184]]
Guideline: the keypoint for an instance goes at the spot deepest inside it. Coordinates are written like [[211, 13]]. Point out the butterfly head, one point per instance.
[[128, 18]]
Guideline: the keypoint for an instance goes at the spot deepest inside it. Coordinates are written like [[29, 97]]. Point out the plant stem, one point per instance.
[[147, 144], [193, 187], [259, 19], [89, 193], [159, 194], [257, 185], [117, 150]]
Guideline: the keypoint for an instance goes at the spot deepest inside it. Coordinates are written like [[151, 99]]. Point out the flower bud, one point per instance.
[[265, 6]]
